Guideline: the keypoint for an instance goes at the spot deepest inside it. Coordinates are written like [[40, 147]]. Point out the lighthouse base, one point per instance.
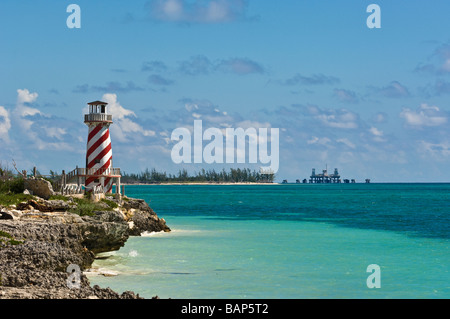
[[99, 182]]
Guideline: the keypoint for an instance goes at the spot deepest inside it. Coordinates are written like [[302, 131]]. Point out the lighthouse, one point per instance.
[[98, 174], [99, 171]]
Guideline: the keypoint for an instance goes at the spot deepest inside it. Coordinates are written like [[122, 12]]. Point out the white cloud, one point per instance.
[[172, 9], [446, 65], [210, 114], [114, 107], [342, 119], [346, 96], [346, 142], [439, 63], [394, 90], [5, 124], [124, 128], [376, 132], [378, 135], [196, 11], [201, 65], [24, 96], [55, 132], [423, 116], [128, 126], [328, 118], [23, 111], [443, 55], [248, 124], [50, 146], [191, 106], [439, 151], [36, 128], [217, 11], [240, 66], [318, 140], [380, 117], [315, 79]]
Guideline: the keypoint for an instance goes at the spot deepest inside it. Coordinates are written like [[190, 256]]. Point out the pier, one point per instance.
[[324, 177]]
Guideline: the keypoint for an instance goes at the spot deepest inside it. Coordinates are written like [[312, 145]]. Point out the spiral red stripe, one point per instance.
[[98, 143], [94, 131], [108, 184], [100, 170], [99, 157]]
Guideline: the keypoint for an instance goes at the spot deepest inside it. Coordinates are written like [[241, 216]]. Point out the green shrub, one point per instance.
[[13, 199], [59, 197], [15, 185], [110, 203], [86, 207]]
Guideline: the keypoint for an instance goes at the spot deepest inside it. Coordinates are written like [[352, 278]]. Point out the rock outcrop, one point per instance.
[[143, 218], [36, 247], [39, 187]]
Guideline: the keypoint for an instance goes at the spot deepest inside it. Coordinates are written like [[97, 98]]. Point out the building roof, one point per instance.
[[97, 103]]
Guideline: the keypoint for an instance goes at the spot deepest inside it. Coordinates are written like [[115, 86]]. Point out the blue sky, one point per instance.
[[372, 102]]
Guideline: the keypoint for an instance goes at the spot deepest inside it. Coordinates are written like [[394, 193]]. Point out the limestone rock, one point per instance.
[[49, 243], [100, 236], [41, 241], [143, 218], [139, 204], [32, 204], [39, 187], [145, 222], [59, 205], [45, 205]]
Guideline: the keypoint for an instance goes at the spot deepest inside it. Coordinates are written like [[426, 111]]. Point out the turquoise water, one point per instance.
[[288, 241]]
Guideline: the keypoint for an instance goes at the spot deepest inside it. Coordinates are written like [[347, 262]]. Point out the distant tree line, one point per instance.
[[234, 175], [203, 176]]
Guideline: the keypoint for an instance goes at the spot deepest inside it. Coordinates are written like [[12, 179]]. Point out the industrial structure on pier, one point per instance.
[[325, 178]]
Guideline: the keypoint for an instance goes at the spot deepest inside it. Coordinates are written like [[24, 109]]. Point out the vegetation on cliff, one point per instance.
[[13, 185]]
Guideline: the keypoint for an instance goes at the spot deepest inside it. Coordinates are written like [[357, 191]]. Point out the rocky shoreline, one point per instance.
[[40, 239]]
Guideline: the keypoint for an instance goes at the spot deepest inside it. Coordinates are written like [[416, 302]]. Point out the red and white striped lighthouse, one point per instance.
[[99, 152]]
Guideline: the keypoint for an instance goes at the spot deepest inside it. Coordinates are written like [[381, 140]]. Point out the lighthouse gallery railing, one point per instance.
[[97, 117]]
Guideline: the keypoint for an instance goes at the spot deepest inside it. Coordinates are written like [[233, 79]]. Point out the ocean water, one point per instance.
[[287, 242]]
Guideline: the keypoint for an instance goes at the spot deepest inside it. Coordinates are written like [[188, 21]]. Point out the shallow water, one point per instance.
[[288, 241]]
